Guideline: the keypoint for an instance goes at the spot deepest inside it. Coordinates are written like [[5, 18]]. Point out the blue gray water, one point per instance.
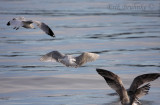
[[125, 33]]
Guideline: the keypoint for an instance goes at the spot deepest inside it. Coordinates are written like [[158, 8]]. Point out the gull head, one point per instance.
[[11, 22]]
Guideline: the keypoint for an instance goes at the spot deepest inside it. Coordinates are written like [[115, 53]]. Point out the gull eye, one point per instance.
[[14, 18]]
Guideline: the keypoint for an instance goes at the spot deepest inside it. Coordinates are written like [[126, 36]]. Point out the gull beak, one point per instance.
[[8, 24]]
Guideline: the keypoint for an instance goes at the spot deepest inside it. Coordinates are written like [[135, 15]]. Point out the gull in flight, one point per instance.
[[69, 60], [22, 22], [130, 96]]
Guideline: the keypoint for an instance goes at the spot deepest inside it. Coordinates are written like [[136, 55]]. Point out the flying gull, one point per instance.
[[130, 96], [22, 22], [69, 60]]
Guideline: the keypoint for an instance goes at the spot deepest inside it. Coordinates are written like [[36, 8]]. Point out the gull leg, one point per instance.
[[14, 27]]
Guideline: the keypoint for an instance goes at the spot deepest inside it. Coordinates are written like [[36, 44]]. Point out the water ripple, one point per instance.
[[127, 50], [126, 35], [79, 13], [137, 65]]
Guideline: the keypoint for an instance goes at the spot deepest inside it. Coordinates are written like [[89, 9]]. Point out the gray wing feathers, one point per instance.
[[44, 27], [86, 57], [52, 56], [108, 74], [114, 82], [139, 80], [142, 91]]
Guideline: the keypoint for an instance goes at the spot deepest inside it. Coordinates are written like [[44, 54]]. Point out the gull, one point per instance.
[[130, 96], [22, 22], [69, 60]]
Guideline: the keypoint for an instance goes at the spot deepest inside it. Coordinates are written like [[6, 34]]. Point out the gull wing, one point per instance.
[[86, 57], [142, 91], [45, 28], [52, 56], [141, 79], [114, 82], [27, 22]]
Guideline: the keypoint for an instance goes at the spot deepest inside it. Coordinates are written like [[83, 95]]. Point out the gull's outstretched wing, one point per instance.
[[142, 91], [141, 79], [138, 81], [86, 57], [114, 82], [44, 27], [52, 56]]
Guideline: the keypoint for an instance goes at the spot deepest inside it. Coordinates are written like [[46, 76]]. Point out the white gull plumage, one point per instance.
[[130, 96], [22, 22], [69, 60]]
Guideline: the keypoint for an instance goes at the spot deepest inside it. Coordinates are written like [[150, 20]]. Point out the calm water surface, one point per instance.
[[125, 33]]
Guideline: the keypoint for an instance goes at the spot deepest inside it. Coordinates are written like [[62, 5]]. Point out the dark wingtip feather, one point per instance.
[[153, 76], [100, 70], [105, 73], [147, 88], [51, 33]]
